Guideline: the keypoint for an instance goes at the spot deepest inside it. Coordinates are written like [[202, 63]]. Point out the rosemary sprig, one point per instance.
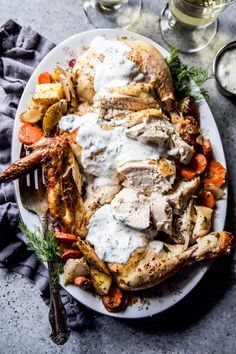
[[45, 248], [188, 80]]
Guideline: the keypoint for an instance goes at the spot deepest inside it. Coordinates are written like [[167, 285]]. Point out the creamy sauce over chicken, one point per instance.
[[113, 68], [112, 240], [103, 151]]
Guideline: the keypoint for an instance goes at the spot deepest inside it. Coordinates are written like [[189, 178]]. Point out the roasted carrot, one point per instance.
[[207, 148], [215, 174], [63, 246], [124, 303], [83, 282], [72, 253], [187, 173], [207, 199], [44, 78], [64, 237], [113, 299], [29, 133], [199, 163]]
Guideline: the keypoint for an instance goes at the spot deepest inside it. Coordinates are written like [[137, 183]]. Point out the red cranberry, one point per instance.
[[72, 63]]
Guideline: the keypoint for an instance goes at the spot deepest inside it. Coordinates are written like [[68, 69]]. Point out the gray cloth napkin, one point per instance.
[[21, 49]]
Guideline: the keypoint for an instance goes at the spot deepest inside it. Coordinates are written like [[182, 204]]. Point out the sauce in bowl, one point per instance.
[[225, 69]]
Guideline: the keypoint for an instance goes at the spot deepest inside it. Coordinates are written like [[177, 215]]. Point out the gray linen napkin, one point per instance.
[[21, 49]]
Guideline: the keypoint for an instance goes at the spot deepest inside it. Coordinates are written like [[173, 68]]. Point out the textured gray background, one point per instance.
[[204, 322]]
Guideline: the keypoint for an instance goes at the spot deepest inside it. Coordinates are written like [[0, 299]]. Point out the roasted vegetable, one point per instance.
[[53, 115], [65, 238], [115, 300], [44, 78], [48, 93], [66, 80], [202, 222], [74, 268], [89, 254], [215, 174], [206, 198], [101, 281], [71, 253], [29, 133], [83, 283], [34, 112]]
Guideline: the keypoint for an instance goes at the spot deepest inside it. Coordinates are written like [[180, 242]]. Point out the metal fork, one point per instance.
[[34, 198]]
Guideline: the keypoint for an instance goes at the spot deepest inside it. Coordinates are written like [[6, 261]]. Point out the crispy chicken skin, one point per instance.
[[23, 166], [146, 268], [63, 183]]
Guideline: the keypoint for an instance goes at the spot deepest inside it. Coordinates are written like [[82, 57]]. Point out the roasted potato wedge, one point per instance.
[[74, 268], [89, 254], [34, 113], [101, 281], [53, 115]]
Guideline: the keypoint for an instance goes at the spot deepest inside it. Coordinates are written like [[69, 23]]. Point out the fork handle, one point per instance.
[[57, 313]]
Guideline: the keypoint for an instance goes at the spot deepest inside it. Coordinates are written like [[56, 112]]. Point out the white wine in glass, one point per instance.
[[190, 25], [112, 13]]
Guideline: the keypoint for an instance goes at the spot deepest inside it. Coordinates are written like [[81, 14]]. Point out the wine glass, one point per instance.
[[112, 13], [191, 25]]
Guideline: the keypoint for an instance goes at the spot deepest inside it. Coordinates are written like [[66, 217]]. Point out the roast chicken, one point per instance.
[[112, 168]]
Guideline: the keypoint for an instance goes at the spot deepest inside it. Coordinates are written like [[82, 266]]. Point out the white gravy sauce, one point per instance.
[[113, 69], [104, 150], [227, 70], [112, 240]]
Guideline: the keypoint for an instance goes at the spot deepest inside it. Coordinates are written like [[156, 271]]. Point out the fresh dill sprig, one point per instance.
[[45, 248], [188, 80]]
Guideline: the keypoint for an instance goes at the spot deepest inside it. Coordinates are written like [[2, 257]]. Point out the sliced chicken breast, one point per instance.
[[161, 132], [148, 176], [131, 208]]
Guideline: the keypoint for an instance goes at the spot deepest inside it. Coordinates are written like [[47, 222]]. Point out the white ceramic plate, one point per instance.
[[174, 289]]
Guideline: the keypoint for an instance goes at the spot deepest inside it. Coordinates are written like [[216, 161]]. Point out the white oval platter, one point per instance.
[[174, 289]]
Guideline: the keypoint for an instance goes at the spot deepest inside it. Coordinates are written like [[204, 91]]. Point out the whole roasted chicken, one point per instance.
[[131, 182]]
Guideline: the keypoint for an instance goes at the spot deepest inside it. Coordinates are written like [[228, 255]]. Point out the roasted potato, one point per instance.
[[89, 254], [53, 115], [48, 93], [34, 112], [74, 268], [101, 281]]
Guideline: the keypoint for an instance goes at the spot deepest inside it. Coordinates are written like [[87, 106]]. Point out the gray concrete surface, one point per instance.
[[204, 322]]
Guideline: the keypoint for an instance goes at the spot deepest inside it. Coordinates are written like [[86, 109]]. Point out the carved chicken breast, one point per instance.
[[148, 176]]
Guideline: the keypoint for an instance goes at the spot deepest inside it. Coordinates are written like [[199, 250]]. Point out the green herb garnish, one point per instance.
[[45, 248], [188, 80]]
